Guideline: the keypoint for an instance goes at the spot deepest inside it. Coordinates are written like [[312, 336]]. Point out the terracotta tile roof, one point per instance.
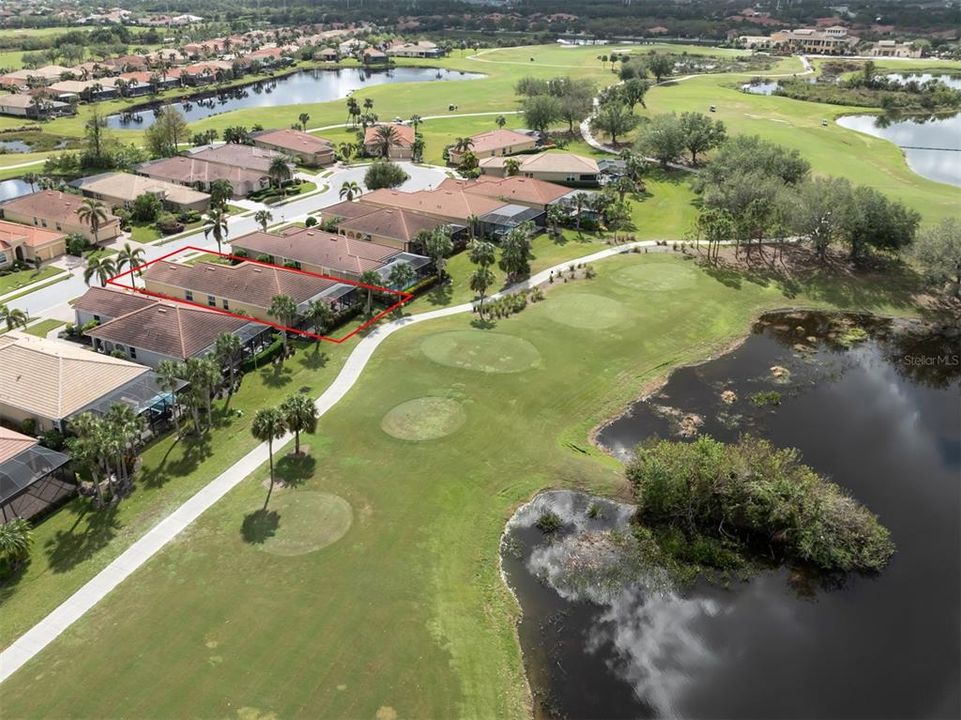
[[109, 303], [54, 379], [348, 210], [404, 134], [548, 162], [128, 188], [392, 223], [511, 189], [52, 205], [445, 203], [294, 141], [189, 170], [29, 235], [13, 443], [319, 248], [497, 139], [171, 329], [236, 155], [251, 283]]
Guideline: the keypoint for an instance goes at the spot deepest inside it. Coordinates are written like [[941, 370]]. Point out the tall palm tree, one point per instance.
[[263, 218], [93, 213], [125, 428], [319, 314], [304, 119], [13, 317], [100, 266], [349, 190], [415, 120], [438, 245], [371, 280], [501, 121], [268, 425], [300, 415], [353, 110], [480, 280], [169, 375], [284, 309], [346, 151], [512, 166], [401, 276], [463, 144], [279, 171], [385, 137], [131, 257], [481, 253], [203, 374], [218, 226], [227, 350]]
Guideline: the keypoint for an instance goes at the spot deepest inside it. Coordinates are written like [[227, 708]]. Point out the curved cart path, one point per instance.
[[74, 607]]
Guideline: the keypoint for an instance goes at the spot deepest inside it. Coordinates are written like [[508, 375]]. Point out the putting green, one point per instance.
[[425, 418], [657, 276], [585, 310], [308, 521], [482, 350]]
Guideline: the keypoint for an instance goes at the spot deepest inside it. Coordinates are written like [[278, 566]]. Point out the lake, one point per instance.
[[13, 188], [881, 419], [931, 145], [304, 86], [949, 80]]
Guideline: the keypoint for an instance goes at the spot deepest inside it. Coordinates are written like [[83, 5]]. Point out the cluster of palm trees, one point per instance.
[[437, 244], [362, 115], [13, 317], [102, 266], [107, 447], [296, 414]]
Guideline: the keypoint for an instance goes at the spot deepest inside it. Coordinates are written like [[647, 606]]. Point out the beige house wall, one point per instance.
[[200, 298], [107, 231], [317, 159], [17, 415], [517, 147]]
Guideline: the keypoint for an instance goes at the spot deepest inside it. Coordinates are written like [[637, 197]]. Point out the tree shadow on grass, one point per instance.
[[314, 360], [194, 450], [90, 533], [294, 470], [276, 376], [259, 526], [440, 294], [483, 324]]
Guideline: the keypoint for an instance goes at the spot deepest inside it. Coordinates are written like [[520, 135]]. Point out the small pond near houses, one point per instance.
[[876, 413]]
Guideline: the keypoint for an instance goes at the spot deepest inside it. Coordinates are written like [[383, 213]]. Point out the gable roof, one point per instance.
[[445, 203], [250, 283], [497, 139], [237, 155], [392, 223], [129, 187], [294, 141], [317, 247], [511, 189], [13, 443], [171, 329], [349, 209], [31, 236], [52, 205], [54, 379], [111, 303]]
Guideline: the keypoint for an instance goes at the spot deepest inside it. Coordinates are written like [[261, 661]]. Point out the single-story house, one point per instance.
[[307, 149], [247, 288], [348, 210], [373, 56], [57, 210], [23, 243], [169, 331], [515, 189], [120, 188], [554, 167], [402, 147], [454, 206], [316, 251], [419, 49], [24, 105], [102, 305], [246, 157], [499, 222], [494, 143], [393, 227], [197, 173], [32, 477], [50, 381], [327, 55]]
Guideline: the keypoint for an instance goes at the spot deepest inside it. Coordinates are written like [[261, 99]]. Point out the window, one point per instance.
[[189, 295], [58, 227], [212, 301], [97, 318], [133, 352], [226, 304]]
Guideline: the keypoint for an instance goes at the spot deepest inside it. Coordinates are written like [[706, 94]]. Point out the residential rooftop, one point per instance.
[[319, 248], [50, 204], [129, 187], [294, 141]]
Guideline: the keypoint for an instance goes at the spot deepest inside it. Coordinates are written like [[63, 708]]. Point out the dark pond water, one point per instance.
[[13, 188], [949, 80], [882, 420], [767, 88], [305, 86], [932, 145], [14, 146]]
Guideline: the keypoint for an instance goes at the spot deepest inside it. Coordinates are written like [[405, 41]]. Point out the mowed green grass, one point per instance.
[[407, 612]]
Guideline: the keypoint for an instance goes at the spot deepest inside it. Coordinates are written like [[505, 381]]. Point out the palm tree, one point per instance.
[[481, 253], [349, 190], [13, 317], [169, 375], [472, 222], [580, 200], [268, 425], [284, 309], [100, 266], [31, 179], [372, 280], [414, 121], [319, 314], [385, 137], [125, 429], [227, 349], [263, 218], [220, 192], [438, 245], [624, 185], [279, 171], [463, 144], [481, 279], [401, 276], [203, 376], [368, 104], [511, 167], [15, 542], [87, 449], [501, 121], [346, 151], [304, 118], [555, 216], [353, 110], [130, 257], [218, 226], [300, 415], [94, 213]]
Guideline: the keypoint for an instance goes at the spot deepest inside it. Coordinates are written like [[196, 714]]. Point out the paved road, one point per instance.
[[52, 300], [72, 609]]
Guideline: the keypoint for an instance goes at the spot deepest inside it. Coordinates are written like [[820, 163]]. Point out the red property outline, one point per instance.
[[404, 296]]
